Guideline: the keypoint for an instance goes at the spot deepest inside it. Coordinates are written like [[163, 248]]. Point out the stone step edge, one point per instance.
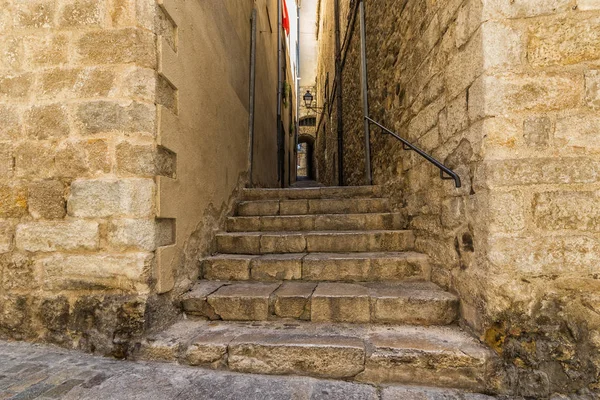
[[311, 267], [416, 303], [272, 242], [222, 348], [336, 192]]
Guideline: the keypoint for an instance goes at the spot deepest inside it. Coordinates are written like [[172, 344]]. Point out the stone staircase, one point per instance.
[[323, 282]]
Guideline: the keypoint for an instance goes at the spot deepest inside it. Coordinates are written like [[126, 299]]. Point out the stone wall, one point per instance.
[[114, 173], [505, 93]]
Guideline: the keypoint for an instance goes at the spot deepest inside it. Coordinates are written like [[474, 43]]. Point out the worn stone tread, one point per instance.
[[314, 241], [419, 303], [313, 206], [312, 193], [328, 222], [349, 351], [340, 267]]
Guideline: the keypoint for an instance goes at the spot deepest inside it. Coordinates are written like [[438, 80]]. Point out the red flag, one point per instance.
[[286, 18]]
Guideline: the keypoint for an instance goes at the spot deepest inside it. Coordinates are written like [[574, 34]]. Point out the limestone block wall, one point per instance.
[[78, 158], [124, 137], [504, 92]]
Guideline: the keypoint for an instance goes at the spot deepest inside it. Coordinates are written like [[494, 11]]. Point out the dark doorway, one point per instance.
[[306, 147]]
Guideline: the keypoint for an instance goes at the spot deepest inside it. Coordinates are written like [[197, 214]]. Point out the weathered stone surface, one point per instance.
[[11, 126], [120, 46], [419, 356], [47, 50], [258, 208], [207, 349], [195, 301], [13, 200], [293, 207], [34, 159], [57, 236], [359, 241], [415, 304], [592, 89], [110, 116], [340, 302], [292, 300], [277, 267], [566, 210], [243, 301], [227, 267], [325, 356], [553, 255], [47, 200], [238, 243], [143, 234], [425, 393], [7, 232], [537, 131], [111, 197], [365, 267], [87, 13], [127, 272], [491, 95], [77, 159], [564, 43], [542, 171], [44, 122], [282, 243], [579, 131], [524, 8]]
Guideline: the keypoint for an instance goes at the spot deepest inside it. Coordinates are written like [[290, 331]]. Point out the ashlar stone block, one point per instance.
[[57, 236], [592, 88], [99, 198], [45, 122], [567, 211], [13, 201], [571, 41], [7, 233], [47, 200], [127, 272], [121, 46]]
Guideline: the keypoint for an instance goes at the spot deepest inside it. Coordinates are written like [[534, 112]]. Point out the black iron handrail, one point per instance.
[[408, 146]]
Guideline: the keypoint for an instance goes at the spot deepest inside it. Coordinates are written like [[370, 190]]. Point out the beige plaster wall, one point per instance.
[[209, 130]]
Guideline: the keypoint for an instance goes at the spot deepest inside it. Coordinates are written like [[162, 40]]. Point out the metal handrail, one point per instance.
[[408, 146]]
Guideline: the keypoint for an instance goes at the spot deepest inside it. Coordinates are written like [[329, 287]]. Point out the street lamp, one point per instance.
[[308, 99]]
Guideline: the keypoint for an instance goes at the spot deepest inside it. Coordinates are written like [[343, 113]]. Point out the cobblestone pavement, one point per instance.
[[40, 372]]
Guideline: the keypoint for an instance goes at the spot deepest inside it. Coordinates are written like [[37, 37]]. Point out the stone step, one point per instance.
[[340, 267], [326, 222], [331, 192], [313, 206], [433, 356], [314, 242], [417, 303]]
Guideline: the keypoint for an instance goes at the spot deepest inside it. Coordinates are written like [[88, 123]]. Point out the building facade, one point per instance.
[[506, 94], [124, 141]]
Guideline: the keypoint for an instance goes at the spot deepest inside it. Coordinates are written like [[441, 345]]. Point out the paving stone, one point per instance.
[[340, 302]]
